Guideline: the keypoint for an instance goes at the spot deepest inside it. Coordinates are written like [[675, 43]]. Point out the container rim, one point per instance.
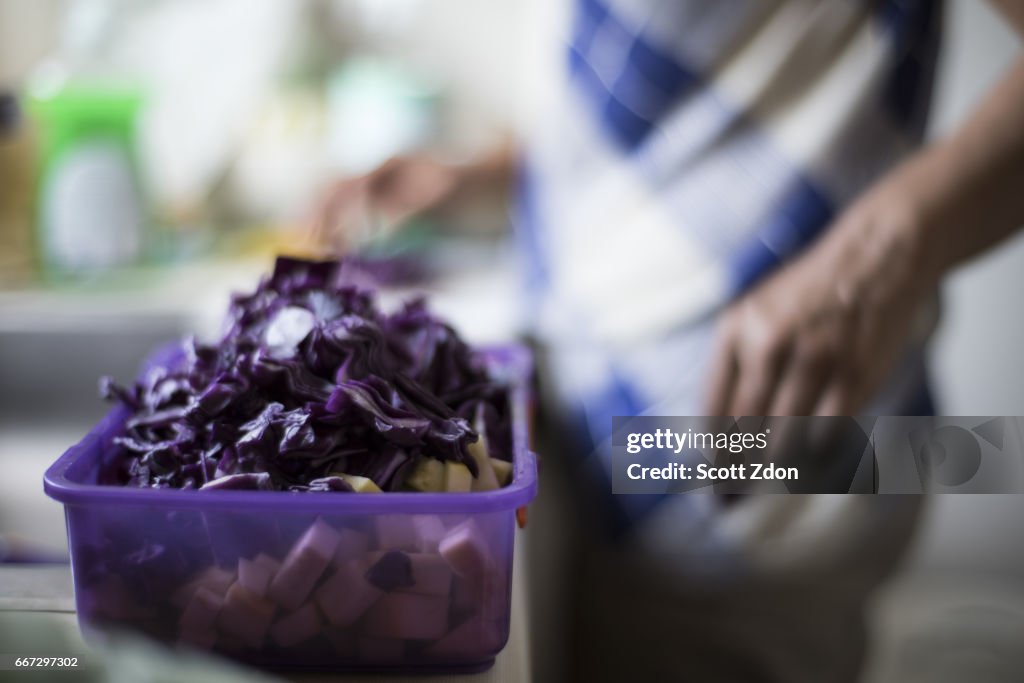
[[514, 358]]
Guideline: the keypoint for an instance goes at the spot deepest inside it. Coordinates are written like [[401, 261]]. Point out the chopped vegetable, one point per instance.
[[255, 575], [352, 545], [480, 451], [407, 616], [428, 475], [391, 571], [314, 388], [429, 530], [396, 532], [465, 550], [246, 616], [214, 579], [350, 591], [431, 574], [360, 484], [502, 471], [200, 615], [304, 565], [457, 477], [346, 595], [296, 627]]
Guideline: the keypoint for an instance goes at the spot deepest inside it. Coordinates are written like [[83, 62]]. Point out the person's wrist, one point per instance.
[[923, 189], [902, 222], [904, 227], [877, 250]]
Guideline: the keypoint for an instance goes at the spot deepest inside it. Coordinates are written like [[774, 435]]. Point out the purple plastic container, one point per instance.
[[279, 579]]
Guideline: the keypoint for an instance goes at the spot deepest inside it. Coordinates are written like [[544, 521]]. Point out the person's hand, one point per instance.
[[354, 209], [821, 335]]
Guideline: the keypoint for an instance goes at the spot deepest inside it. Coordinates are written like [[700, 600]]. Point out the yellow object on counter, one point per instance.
[[17, 169]]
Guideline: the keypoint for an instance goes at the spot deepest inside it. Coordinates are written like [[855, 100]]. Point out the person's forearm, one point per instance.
[[492, 172], [966, 192], [821, 335]]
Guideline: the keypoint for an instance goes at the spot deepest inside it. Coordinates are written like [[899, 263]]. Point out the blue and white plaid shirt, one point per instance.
[[696, 146]]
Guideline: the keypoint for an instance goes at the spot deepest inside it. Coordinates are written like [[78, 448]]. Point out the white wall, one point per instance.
[[979, 351], [961, 588], [493, 56], [28, 29]]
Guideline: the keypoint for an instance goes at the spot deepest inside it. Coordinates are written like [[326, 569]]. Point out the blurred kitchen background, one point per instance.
[[155, 154]]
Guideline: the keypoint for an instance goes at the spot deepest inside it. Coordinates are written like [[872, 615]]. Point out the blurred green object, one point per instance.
[[16, 176], [90, 209]]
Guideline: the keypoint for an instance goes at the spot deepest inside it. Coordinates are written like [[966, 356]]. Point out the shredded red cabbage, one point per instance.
[[311, 379]]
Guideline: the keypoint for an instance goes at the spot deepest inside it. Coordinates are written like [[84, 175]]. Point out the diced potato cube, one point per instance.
[[480, 451], [255, 574], [486, 596], [457, 477], [429, 531], [427, 476], [430, 573], [390, 570], [216, 579], [502, 471], [296, 627], [411, 533], [485, 479], [407, 616], [201, 613], [396, 532], [352, 545], [246, 616], [267, 561], [346, 595], [360, 484], [304, 565], [465, 550]]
